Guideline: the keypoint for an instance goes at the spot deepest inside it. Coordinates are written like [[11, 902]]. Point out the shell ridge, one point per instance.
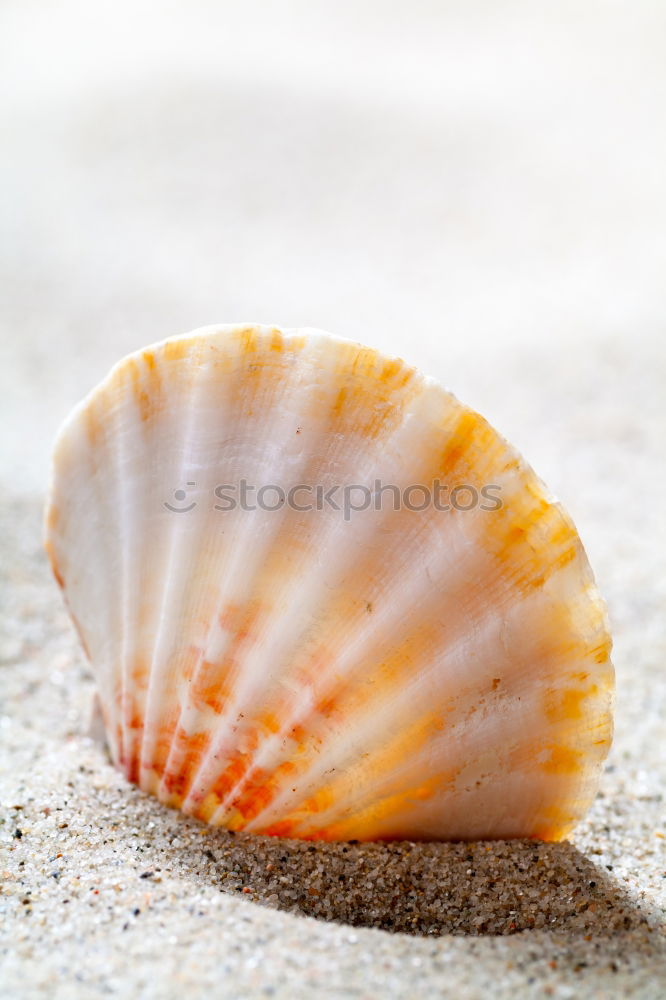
[[221, 351], [190, 715], [176, 544], [328, 537], [59, 516]]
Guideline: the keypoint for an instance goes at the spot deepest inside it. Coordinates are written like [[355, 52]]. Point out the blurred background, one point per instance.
[[477, 186]]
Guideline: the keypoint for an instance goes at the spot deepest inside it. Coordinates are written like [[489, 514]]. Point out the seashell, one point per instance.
[[400, 671]]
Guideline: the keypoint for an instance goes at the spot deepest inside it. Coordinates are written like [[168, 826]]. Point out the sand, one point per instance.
[[479, 192], [106, 892]]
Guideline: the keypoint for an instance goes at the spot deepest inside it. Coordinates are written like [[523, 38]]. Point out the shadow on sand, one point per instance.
[[498, 887]]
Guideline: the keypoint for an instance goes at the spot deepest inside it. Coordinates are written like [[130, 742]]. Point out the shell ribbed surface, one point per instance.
[[400, 671]]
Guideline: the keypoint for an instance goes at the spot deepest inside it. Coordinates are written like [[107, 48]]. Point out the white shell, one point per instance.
[[397, 674]]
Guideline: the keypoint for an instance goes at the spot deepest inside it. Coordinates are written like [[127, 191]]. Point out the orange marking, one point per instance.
[[145, 402], [457, 445], [209, 686], [566, 704], [54, 567], [132, 766], [195, 746], [373, 393], [164, 742], [370, 821], [205, 808], [283, 828], [276, 342], [140, 674], [602, 652], [547, 832], [322, 799], [229, 617], [236, 768], [150, 361], [567, 556], [176, 350], [563, 760], [554, 823], [133, 714], [248, 339]]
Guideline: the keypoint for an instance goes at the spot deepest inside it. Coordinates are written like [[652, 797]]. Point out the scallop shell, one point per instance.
[[401, 671]]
